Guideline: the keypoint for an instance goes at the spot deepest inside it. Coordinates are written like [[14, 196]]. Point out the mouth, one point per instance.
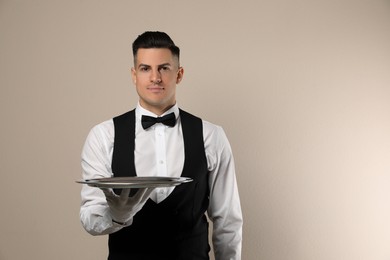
[[155, 88]]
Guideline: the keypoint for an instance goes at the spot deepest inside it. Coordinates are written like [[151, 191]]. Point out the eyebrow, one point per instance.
[[160, 65]]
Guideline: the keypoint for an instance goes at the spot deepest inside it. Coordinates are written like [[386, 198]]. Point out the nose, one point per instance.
[[155, 77]]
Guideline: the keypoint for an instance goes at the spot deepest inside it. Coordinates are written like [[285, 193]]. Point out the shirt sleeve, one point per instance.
[[225, 208], [96, 163]]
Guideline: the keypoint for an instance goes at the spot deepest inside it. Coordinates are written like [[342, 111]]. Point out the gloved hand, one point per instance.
[[122, 207]]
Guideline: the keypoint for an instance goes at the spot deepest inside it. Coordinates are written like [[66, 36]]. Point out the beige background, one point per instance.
[[302, 89]]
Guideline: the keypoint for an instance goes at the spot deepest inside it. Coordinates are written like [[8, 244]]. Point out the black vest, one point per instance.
[[176, 228]]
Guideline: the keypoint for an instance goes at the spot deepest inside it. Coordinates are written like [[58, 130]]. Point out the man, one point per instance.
[[161, 223]]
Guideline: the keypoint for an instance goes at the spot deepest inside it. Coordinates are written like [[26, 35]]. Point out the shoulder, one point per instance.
[[107, 125], [124, 116], [102, 132], [214, 136], [213, 133], [211, 128], [106, 129]]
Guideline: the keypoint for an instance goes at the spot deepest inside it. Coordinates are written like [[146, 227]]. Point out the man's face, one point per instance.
[[155, 74]]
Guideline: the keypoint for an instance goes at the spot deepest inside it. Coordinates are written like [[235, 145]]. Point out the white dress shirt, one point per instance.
[[165, 158]]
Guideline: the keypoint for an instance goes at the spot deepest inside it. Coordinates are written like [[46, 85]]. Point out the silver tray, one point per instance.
[[135, 182]]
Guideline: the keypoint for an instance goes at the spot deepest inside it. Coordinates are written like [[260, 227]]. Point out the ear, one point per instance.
[[133, 75], [180, 74]]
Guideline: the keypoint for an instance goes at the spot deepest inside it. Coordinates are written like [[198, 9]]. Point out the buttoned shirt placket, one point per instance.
[[161, 161]]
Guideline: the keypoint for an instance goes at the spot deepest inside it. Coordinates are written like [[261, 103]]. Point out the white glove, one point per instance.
[[122, 207]]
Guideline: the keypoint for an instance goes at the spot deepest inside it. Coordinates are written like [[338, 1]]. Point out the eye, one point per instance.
[[144, 69], [165, 68]]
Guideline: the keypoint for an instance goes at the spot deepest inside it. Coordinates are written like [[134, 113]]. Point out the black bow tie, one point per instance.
[[148, 121]]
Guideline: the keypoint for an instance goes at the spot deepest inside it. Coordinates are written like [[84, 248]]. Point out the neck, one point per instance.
[[156, 109]]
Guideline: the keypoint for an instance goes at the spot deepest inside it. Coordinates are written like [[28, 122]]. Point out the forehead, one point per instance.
[[154, 56]]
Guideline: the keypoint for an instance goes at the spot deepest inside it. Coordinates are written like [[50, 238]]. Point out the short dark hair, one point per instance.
[[156, 39]]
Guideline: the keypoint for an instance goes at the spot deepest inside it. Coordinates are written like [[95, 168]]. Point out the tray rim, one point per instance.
[[135, 182]]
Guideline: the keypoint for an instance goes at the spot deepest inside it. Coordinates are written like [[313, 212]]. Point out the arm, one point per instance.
[[225, 208], [96, 157]]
